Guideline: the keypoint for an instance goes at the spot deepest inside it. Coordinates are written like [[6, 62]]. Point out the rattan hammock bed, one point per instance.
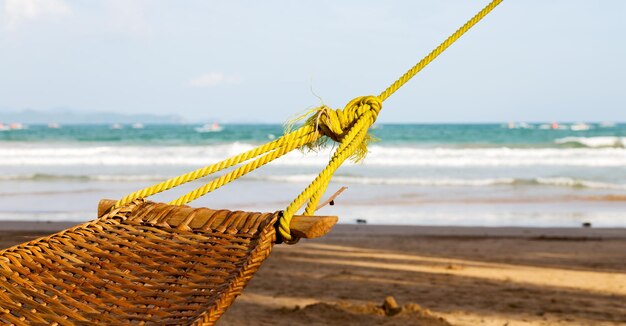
[[150, 263], [145, 263]]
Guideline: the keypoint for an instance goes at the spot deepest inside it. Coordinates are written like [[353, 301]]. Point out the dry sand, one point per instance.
[[441, 275]]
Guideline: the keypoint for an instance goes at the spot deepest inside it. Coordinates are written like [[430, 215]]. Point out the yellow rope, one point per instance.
[[358, 126], [202, 172], [348, 127], [297, 142], [369, 108], [437, 51]]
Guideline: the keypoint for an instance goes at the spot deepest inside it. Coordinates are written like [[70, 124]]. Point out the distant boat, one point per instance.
[[12, 126], [116, 126], [580, 126], [215, 127], [138, 125], [520, 125], [557, 126], [54, 125], [607, 124]]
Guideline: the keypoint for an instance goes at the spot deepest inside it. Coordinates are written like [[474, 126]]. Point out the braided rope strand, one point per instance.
[[245, 169], [323, 178], [437, 51], [350, 137], [219, 166]]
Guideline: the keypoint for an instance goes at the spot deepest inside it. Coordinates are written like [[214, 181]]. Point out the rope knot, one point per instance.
[[335, 124], [361, 112]]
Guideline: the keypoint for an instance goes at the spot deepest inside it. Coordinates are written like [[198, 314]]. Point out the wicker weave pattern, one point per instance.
[[141, 263]]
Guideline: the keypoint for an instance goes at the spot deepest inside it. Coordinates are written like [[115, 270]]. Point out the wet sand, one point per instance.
[[441, 275]]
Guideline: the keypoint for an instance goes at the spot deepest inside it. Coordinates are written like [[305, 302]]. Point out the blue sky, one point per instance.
[[264, 61]]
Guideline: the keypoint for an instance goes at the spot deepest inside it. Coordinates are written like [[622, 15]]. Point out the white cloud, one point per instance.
[[129, 17], [17, 12], [214, 79]]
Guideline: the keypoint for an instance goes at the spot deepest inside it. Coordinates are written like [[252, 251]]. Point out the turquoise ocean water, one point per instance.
[[490, 174]]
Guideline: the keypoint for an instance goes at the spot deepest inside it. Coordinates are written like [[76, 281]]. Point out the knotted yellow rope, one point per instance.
[[348, 127]]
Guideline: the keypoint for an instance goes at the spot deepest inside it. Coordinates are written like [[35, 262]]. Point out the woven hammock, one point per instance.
[[152, 263], [141, 263]]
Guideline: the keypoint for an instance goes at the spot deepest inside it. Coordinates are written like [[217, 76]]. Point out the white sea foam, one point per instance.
[[579, 183], [594, 142], [69, 177], [46, 216], [306, 178], [565, 182], [39, 155], [413, 215], [451, 182]]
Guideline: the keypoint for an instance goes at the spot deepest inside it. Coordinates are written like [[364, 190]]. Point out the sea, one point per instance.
[[536, 175]]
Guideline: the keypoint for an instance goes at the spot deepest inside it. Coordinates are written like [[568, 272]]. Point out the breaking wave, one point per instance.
[[593, 142], [565, 182], [452, 182], [379, 156]]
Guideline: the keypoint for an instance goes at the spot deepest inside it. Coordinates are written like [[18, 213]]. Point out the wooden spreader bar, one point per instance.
[[184, 218]]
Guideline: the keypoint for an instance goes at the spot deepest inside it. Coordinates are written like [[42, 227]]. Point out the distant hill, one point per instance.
[[67, 116]]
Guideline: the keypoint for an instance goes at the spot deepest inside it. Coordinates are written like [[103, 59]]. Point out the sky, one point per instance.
[[265, 61]]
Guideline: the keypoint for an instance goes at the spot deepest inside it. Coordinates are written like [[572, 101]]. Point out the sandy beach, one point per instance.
[[437, 275]]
